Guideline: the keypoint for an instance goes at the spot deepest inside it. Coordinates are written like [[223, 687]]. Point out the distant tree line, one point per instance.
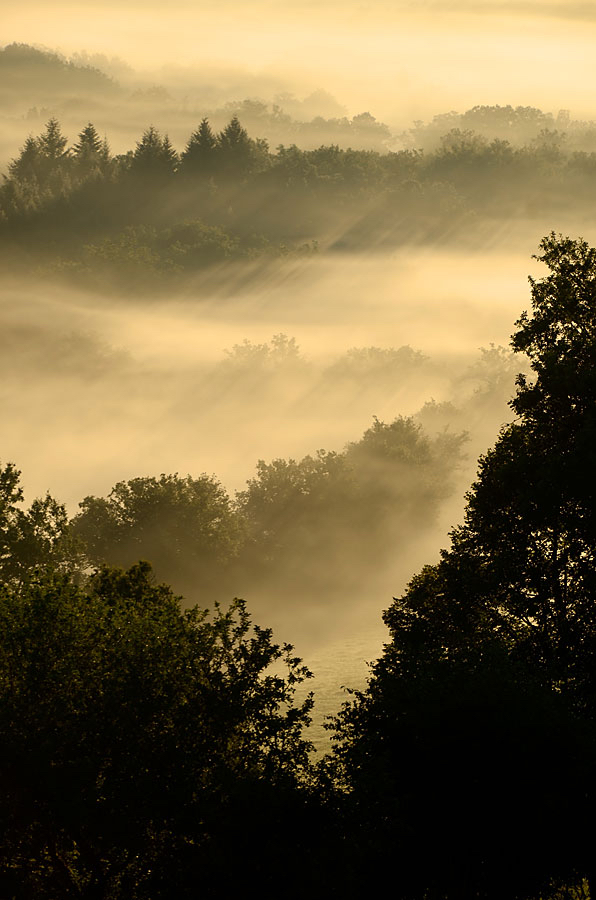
[[226, 196], [41, 81]]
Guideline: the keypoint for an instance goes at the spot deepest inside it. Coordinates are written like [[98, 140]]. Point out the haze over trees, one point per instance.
[[154, 742], [345, 512], [38, 83], [160, 214], [141, 742]]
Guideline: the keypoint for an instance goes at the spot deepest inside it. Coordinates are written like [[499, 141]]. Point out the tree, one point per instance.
[[90, 152], [184, 526], [35, 539], [495, 646], [27, 165], [42, 158], [52, 142], [200, 154], [239, 155], [154, 156], [144, 752], [463, 778], [255, 364], [326, 519], [532, 509]]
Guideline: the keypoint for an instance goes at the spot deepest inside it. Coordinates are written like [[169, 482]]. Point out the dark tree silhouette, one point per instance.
[[154, 156], [143, 751], [33, 540], [52, 142], [200, 154], [238, 153], [27, 165], [90, 152], [479, 719]]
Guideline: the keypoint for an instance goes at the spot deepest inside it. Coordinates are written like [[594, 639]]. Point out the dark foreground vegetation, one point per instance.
[[151, 752], [154, 215]]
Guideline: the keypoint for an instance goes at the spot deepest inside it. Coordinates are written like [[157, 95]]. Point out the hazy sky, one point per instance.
[[391, 56]]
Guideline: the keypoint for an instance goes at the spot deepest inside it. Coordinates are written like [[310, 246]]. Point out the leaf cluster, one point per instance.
[[470, 753], [138, 739]]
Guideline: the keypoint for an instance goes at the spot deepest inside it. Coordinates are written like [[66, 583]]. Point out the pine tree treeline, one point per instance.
[[83, 211], [137, 214], [47, 159]]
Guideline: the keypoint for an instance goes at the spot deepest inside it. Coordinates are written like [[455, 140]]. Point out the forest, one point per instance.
[[156, 216], [144, 741], [297, 519]]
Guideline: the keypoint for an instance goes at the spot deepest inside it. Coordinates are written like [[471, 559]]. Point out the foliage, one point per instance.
[[361, 365], [57, 201], [345, 513], [249, 359], [141, 252], [91, 154], [154, 157], [185, 526], [144, 751], [33, 539], [238, 154], [200, 154], [315, 524], [485, 695]]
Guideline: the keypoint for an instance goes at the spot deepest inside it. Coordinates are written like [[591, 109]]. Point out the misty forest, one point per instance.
[[297, 495]]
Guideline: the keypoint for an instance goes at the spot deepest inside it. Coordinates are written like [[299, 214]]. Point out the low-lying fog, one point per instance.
[[157, 386], [96, 391]]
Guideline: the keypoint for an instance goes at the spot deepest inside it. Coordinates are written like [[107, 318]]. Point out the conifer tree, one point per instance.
[[90, 152], [200, 154], [27, 165], [168, 155], [237, 150], [89, 143], [52, 142], [154, 155]]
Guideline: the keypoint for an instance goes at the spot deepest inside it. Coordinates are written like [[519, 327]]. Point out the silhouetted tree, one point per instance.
[[154, 156], [144, 751], [33, 540], [26, 166], [90, 152], [491, 666], [43, 159], [200, 154], [238, 153], [52, 142], [89, 142]]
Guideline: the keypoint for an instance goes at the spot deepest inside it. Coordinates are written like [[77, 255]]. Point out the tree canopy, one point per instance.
[[144, 751], [73, 207], [486, 695], [332, 516], [33, 539], [185, 527]]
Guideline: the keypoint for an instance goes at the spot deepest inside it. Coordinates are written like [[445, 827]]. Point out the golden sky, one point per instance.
[[384, 55]]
